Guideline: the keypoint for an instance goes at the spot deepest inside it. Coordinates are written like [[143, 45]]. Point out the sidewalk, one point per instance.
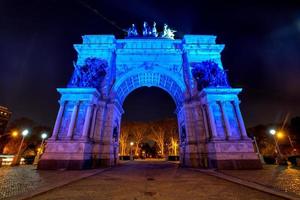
[[25, 181], [281, 178]]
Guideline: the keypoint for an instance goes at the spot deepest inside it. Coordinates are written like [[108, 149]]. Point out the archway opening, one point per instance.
[[149, 125]]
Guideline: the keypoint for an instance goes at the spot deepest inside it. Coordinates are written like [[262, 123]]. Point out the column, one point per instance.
[[58, 120], [206, 126], [87, 120], [93, 122], [226, 121], [73, 120], [240, 120], [212, 121]]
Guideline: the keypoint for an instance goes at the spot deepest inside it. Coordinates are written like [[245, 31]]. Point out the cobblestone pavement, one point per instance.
[[25, 178], [152, 180], [15, 180], [284, 178]]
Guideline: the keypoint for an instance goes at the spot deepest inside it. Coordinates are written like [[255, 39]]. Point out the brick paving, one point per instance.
[[16, 180], [152, 180], [25, 179], [144, 180], [283, 178]]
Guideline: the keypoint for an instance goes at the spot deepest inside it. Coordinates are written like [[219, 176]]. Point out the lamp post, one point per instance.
[[131, 144], [280, 134], [273, 132], [291, 143], [40, 149], [258, 152], [16, 160], [43, 136]]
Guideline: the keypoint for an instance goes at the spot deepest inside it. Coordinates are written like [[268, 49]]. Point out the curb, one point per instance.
[[49, 187], [248, 184]]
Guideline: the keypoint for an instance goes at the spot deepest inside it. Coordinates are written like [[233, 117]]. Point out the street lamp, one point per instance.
[[280, 134], [43, 136], [16, 160], [40, 149], [14, 134], [273, 132], [258, 152], [131, 144]]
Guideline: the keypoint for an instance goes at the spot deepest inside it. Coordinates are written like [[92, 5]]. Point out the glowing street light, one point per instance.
[[40, 149], [280, 135], [131, 144], [273, 132], [15, 133], [43, 136], [25, 132], [16, 160]]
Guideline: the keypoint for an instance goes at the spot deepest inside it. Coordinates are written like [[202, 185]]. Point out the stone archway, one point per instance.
[[211, 128], [145, 78]]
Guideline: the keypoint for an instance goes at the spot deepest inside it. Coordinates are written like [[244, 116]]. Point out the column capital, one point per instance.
[[76, 103], [90, 104], [61, 102], [220, 102], [236, 102]]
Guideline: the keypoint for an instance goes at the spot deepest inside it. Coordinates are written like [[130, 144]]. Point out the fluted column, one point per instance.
[[73, 120], [206, 126], [226, 121], [240, 120], [58, 120], [212, 121], [93, 122], [87, 120]]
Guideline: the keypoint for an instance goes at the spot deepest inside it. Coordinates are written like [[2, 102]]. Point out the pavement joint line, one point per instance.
[[52, 186], [248, 184]]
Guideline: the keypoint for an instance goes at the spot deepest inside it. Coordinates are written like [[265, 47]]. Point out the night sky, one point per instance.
[[262, 52]]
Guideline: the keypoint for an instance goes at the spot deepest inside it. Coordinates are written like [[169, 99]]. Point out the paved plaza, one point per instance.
[[142, 180], [153, 180]]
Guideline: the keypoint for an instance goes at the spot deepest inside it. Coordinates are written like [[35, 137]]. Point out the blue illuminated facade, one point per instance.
[[212, 131]]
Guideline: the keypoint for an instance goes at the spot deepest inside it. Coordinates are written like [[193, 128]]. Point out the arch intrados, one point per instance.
[[127, 84]]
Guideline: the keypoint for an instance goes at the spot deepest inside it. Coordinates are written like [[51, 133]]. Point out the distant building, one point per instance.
[[4, 118]]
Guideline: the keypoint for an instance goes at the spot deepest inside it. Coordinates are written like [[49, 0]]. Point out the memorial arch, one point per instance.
[[211, 127]]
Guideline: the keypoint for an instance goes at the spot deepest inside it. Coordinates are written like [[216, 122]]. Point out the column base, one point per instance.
[[67, 155], [232, 155]]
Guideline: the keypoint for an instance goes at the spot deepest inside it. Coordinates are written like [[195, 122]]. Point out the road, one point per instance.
[[152, 180]]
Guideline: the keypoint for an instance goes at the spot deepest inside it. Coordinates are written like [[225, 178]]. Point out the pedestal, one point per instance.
[[228, 146], [70, 146]]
